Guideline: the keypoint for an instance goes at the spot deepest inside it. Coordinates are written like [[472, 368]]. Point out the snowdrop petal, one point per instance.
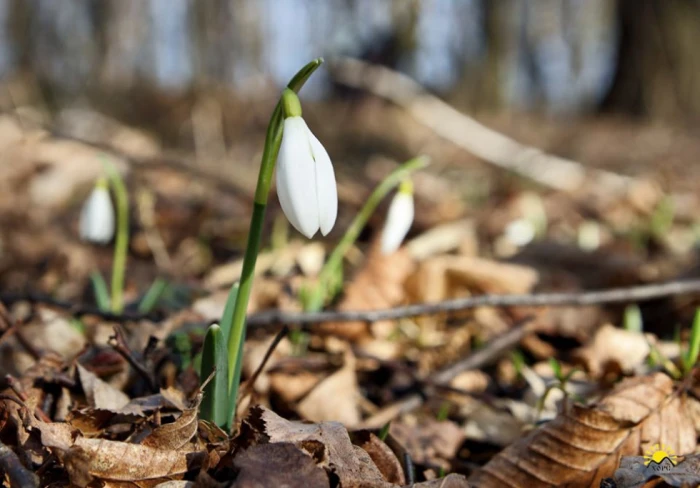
[[296, 183], [326, 189], [398, 222], [97, 217]]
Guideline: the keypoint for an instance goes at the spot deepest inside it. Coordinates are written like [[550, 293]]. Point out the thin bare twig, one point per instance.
[[119, 344], [16, 388], [598, 297], [275, 317], [483, 357], [248, 387]]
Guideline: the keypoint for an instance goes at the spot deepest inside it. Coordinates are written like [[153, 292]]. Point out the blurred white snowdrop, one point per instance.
[[97, 215], [399, 218], [305, 178], [520, 232]]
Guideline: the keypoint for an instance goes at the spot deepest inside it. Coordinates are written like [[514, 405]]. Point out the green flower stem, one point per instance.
[[335, 260], [121, 245], [273, 141]]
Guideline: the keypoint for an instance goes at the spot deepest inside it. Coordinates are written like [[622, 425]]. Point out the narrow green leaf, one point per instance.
[[384, 432], [556, 368], [215, 406], [691, 357], [152, 296], [227, 318], [632, 320], [99, 288]]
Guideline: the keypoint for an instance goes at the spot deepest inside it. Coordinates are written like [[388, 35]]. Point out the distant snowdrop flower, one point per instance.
[[305, 178], [399, 218], [97, 216], [520, 232]]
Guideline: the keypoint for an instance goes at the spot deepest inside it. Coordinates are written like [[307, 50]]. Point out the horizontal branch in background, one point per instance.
[[599, 297], [491, 146], [276, 317]]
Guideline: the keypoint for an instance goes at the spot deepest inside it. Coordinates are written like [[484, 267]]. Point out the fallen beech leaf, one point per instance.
[[100, 394], [176, 434], [582, 445], [328, 443], [429, 442], [335, 397], [279, 464], [446, 277], [113, 460], [382, 456], [613, 345], [379, 284]]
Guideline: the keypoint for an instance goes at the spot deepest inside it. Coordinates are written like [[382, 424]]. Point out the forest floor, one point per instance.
[[561, 391]]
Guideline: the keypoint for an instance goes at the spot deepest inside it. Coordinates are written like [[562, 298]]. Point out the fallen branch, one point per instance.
[[631, 294], [465, 132], [599, 297]]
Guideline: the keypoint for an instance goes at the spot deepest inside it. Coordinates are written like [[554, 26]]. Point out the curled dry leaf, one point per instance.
[[101, 394], [613, 346], [445, 277], [583, 445], [382, 456], [431, 441], [176, 434], [112, 460]]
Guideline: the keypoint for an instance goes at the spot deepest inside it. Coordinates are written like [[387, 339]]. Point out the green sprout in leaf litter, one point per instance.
[[315, 298], [632, 320], [690, 357]]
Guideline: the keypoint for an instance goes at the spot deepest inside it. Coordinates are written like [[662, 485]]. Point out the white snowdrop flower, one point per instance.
[[305, 178], [520, 232], [97, 215], [399, 219]]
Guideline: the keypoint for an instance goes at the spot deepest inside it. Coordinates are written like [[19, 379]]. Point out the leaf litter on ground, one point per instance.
[[90, 418]]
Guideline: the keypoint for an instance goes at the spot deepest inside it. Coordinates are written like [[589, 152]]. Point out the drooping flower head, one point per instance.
[[399, 218], [97, 215], [305, 178]]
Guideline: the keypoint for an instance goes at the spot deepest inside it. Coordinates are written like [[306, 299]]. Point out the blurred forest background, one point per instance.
[[567, 57]]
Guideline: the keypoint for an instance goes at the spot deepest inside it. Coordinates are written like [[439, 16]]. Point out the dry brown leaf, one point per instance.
[[335, 397], [328, 443], [382, 456], [112, 460], [624, 349], [429, 442], [379, 284], [584, 444], [100, 394], [176, 434], [279, 464]]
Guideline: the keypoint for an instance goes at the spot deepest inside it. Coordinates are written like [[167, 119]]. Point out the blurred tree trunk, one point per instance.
[[658, 69]]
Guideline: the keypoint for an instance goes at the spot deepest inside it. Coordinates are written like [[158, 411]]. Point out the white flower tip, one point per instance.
[[97, 217], [398, 222]]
